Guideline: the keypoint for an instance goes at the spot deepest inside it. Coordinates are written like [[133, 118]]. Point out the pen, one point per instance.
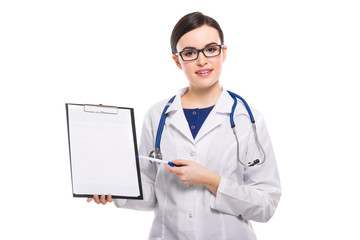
[[158, 160]]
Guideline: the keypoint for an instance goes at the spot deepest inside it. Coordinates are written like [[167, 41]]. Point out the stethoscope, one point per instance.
[[156, 153]]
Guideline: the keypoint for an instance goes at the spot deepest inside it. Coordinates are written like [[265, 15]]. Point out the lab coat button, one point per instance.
[[192, 154], [190, 215]]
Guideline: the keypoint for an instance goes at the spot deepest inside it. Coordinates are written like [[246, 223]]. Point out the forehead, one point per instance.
[[198, 38]]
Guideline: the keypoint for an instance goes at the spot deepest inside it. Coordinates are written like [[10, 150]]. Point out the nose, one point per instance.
[[201, 60]]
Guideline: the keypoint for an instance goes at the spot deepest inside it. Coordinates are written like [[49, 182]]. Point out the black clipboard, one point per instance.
[[103, 151]]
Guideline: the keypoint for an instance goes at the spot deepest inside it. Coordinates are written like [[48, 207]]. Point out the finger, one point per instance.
[[89, 199], [96, 199], [109, 199], [175, 170], [180, 162], [169, 168], [102, 199]]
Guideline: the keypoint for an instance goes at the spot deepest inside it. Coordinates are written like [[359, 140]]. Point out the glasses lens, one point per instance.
[[188, 55], [212, 51]]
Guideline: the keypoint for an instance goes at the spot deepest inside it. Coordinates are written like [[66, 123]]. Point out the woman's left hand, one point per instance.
[[192, 173]]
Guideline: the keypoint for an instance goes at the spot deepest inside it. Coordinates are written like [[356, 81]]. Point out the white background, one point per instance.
[[296, 61]]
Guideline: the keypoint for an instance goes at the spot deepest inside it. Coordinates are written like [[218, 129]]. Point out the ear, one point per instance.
[[224, 53], [176, 60]]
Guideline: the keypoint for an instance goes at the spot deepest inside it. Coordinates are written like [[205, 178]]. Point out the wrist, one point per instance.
[[212, 182]]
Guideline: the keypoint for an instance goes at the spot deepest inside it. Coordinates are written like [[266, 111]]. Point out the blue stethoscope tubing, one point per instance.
[[157, 153], [252, 119]]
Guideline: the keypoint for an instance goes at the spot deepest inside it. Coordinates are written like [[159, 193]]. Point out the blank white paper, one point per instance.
[[102, 152]]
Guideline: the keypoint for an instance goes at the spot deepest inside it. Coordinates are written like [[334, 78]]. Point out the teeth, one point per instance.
[[201, 72]]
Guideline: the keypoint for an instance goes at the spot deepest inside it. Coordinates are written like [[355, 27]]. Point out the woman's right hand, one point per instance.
[[102, 199]]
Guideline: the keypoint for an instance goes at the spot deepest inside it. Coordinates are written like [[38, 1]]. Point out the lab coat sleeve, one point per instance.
[[148, 172], [258, 196]]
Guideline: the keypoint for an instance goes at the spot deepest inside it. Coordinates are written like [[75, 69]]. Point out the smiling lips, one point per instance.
[[204, 72]]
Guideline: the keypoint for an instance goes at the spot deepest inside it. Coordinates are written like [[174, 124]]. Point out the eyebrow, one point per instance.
[[207, 45]]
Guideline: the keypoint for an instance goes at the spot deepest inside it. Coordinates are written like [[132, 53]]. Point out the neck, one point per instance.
[[201, 97]]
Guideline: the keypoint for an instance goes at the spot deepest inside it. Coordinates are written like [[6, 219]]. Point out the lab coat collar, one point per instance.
[[176, 105], [176, 117], [224, 103], [221, 109]]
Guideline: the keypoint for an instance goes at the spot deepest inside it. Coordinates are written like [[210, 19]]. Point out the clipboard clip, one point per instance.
[[103, 109]]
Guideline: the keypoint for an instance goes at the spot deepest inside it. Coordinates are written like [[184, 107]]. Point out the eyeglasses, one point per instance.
[[193, 54]]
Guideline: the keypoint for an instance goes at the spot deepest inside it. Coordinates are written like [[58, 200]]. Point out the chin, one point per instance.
[[204, 83]]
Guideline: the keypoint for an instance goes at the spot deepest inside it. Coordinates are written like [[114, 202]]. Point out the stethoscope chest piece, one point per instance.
[[155, 154]]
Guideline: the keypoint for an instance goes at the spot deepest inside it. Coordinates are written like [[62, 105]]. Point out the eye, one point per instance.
[[212, 49], [189, 53]]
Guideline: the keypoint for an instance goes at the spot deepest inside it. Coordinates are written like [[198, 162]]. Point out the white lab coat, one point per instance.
[[193, 212]]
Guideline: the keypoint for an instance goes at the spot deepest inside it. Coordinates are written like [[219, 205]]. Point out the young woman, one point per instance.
[[214, 193]]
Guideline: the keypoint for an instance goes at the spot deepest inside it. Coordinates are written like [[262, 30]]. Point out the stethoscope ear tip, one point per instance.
[[253, 163]]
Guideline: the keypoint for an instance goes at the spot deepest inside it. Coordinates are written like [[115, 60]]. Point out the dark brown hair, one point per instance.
[[190, 22]]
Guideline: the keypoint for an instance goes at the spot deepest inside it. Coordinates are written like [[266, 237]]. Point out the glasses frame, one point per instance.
[[201, 50]]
